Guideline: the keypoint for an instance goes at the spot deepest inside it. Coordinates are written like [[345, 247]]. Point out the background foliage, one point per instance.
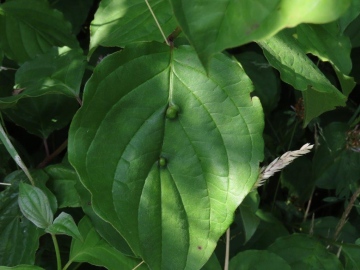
[[138, 129]]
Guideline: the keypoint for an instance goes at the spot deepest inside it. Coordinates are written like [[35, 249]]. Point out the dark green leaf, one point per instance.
[[121, 22], [62, 184], [106, 231], [172, 215], [335, 165], [59, 71], [28, 28], [96, 251], [75, 11], [64, 224], [19, 238], [247, 219], [303, 252], [352, 12], [285, 54], [297, 178], [266, 81], [213, 26], [44, 114], [351, 254], [35, 205], [22, 267], [326, 226], [258, 259], [212, 263]]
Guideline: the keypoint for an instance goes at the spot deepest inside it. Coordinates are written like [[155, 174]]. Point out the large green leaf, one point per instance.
[[170, 154], [351, 254], [19, 238], [93, 249], [286, 55], [28, 28], [120, 22], [213, 26], [303, 252]]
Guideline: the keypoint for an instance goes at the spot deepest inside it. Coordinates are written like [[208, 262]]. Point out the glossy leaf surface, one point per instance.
[[121, 22], [28, 28], [167, 188], [210, 25]]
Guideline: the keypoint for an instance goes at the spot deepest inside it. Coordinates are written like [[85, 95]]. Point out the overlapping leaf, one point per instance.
[[28, 28], [168, 178], [284, 53], [213, 26], [96, 251], [120, 22]]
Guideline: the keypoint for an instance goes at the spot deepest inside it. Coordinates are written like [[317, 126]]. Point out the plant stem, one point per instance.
[[227, 249], [57, 251], [308, 205], [157, 23], [53, 155], [352, 119], [14, 154], [46, 146], [138, 265], [174, 34], [344, 216]]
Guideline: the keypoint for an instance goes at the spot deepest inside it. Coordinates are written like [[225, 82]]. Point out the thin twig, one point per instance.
[[308, 205], [344, 216], [138, 265], [157, 23], [53, 155], [227, 249], [46, 146]]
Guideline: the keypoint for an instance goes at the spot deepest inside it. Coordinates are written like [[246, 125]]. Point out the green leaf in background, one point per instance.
[[335, 165], [44, 114], [267, 232], [297, 178], [247, 219], [212, 26], [347, 83], [121, 22], [96, 251], [303, 252], [35, 205], [64, 224], [168, 188], [75, 11], [19, 238], [103, 228], [285, 54], [62, 184], [326, 42], [351, 254], [352, 12], [21, 267], [259, 260], [326, 226], [212, 263], [264, 77], [28, 28], [59, 71]]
